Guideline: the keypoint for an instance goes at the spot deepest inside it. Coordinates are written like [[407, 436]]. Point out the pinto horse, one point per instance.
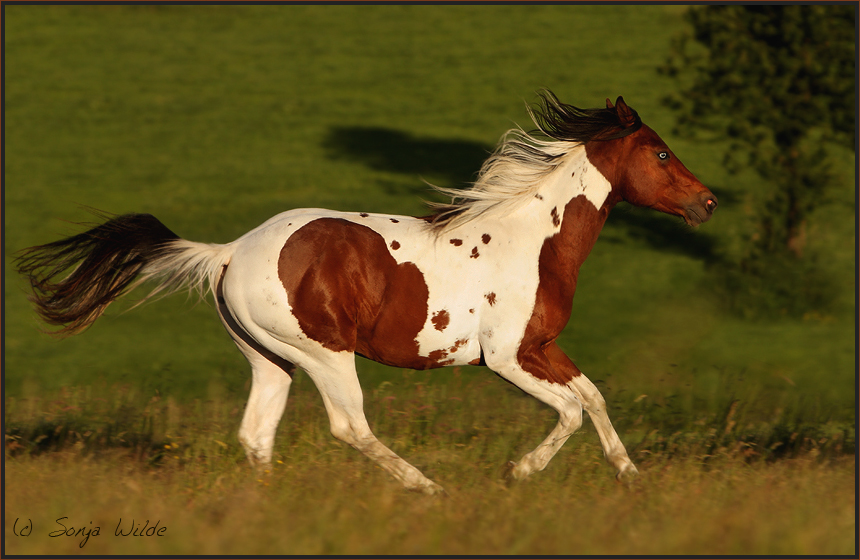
[[488, 279]]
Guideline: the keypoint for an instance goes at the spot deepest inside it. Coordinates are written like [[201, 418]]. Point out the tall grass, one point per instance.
[[710, 484], [474, 412]]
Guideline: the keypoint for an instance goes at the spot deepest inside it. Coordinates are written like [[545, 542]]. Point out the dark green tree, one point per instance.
[[777, 82]]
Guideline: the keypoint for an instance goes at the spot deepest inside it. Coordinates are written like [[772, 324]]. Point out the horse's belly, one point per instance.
[[460, 352]]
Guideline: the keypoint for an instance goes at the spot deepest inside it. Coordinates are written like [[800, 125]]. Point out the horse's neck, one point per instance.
[[570, 209]]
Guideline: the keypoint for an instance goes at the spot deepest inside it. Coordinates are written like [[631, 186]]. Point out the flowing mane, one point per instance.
[[513, 173]]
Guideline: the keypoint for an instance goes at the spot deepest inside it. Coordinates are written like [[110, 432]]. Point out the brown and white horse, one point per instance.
[[488, 279]]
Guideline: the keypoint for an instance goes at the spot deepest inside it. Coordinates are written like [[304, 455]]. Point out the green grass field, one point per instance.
[[214, 118]]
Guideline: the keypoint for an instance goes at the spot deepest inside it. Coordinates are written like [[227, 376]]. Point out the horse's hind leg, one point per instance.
[[270, 387], [271, 377], [337, 381]]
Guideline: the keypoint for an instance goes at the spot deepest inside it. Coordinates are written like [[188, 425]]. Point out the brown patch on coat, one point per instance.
[[456, 242], [393, 221], [349, 294], [558, 269], [561, 362], [491, 297], [472, 310], [364, 214], [440, 320], [437, 357], [459, 343], [555, 219], [475, 254], [395, 245], [486, 238], [539, 196]]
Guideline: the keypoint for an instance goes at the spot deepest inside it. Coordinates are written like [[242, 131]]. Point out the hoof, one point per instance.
[[627, 475], [508, 473], [430, 489]]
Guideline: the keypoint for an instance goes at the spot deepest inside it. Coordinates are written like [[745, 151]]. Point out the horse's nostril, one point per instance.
[[711, 204]]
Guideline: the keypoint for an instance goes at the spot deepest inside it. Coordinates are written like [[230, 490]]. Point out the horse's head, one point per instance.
[[644, 172]]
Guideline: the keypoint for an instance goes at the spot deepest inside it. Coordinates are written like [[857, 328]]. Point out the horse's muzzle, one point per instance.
[[701, 208]]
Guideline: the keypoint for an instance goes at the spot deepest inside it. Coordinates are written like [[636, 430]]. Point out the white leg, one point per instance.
[[562, 398], [270, 388], [614, 451], [569, 399], [569, 420], [337, 381], [594, 403]]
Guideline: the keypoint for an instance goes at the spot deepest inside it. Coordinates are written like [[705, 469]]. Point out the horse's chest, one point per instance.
[[481, 287]]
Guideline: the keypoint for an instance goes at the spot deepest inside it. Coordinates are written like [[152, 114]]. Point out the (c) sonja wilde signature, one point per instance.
[[132, 529]]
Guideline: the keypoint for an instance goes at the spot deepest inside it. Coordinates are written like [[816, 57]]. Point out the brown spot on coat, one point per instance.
[[456, 242], [491, 297], [539, 196], [486, 238], [393, 221], [475, 254], [349, 294], [458, 344], [555, 219], [364, 214], [441, 319], [471, 311], [395, 245]]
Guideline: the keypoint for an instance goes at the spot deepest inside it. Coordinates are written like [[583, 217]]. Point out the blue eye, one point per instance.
[[663, 155]]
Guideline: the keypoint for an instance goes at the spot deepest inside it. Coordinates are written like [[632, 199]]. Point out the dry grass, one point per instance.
[[178, 464], [338, 504]]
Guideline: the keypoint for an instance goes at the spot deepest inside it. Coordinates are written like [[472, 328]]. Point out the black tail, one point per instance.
[[107, 259]]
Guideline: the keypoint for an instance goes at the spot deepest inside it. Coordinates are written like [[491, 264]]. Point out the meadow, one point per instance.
[[214, 118]]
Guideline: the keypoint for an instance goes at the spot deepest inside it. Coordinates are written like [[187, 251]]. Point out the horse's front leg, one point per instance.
[[563, 398], [569, 420], [594, 403], [555, 380]]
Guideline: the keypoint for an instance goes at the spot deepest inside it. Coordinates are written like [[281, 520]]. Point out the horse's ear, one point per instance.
[[625, 113], [609, 104]]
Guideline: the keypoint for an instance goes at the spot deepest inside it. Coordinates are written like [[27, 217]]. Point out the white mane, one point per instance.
[[509, 178]]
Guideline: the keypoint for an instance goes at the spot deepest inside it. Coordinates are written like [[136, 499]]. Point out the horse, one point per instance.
[[487, 279]]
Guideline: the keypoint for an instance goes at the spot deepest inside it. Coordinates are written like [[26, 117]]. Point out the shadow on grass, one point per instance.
[[452, 163]]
